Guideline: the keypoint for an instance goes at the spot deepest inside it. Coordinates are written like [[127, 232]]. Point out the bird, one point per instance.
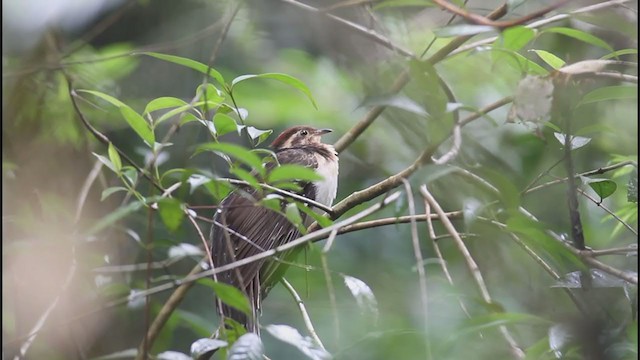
[[242, 228]]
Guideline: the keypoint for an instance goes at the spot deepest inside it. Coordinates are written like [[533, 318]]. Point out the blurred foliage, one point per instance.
[[177, 96]]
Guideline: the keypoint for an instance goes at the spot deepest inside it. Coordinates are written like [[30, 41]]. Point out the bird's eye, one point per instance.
[[304, 132]]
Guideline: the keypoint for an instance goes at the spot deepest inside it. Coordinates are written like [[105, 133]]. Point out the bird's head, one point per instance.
[[299, 136]]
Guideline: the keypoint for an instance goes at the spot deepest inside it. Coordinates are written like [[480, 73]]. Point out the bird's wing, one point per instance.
[[242, 228]]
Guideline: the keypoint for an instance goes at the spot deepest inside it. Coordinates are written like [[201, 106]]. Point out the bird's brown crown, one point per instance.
[[299, 136]]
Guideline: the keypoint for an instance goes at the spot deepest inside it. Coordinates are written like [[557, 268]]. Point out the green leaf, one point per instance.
[[219, 189], [246, 176], [114, 157], [195, 65], [238, 152], [515, 38], [293, 215], [292, 172], [483, 322], [171, 213], [603, 187], [322, 220], [396, 101], [618, 53], [579, 35], [617, 92], [552, 60], [284, 78], [106, 162], [209, 93], [135, 121], [163, 103], [111, 190], [257, 134], [229, 295], [224, 124], [120, 213]]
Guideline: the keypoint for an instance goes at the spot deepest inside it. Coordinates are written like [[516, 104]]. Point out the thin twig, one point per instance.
[[303, 312], [481, 20], [330, 288], [540, 23], [472, 267], [600, 205], [598, 171], [422, 277]]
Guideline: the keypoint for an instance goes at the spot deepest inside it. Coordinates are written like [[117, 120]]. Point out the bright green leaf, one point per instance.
[[224, 124], [236, 151], [579, 35], [284, 78], [292, 172], [618, 92], [293, 215], [603, 187], [115, 158], [552, 60], [619, 53], [171, 213], [515, 38], [111, 190], [229, 295], [195, 65], [106, 162], [163, 103], [245, 176]]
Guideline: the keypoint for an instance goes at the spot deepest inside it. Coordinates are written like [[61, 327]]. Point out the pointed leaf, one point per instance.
[[204, 348], [106, 162], [293, 215], [236, 151], [284, 78], [603, 187], [115, 158], [229, 295], [224, 124], [112, 190], [171, 213], [292, 172], [305, 344], [195, 65], [257, 134], [580, 35], [163, 103], [618, 92], [247, 347], [552, 60], [363, 294]]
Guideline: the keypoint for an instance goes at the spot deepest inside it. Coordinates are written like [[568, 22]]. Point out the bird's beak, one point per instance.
[[323, 131]]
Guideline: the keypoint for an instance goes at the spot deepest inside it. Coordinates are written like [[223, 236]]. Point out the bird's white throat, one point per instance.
[[327, 187]]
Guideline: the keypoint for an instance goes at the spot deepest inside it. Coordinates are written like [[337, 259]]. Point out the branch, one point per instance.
[[481, 20], [471, 265], [303, 312]]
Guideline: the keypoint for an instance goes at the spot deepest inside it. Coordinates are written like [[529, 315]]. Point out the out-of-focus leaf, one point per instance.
[[236, 151], [323, 221], [224, 124], [462, 30], [124, 354], [202, 349], [293, 215], [246, 176], [284, 78], [183, 250], [575, 142], [603, 187], [292, 172], [135, 121], [247, 347], [209, 93], [219, 189], [617, 92], [559, 336], [402, 3], [470, 211], [118, 214], [229, 295], [195, 65], [171, 213], [618, 53], [112, 190], [533, 99], [305, 344], [483, 322], [551, 59], [163, 103], [114, 157], [515, 38], [534, 235], [363, 295], [396, 101], [257, 134], [173, 355], [599, 279], [579, 35], [106, 162]]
